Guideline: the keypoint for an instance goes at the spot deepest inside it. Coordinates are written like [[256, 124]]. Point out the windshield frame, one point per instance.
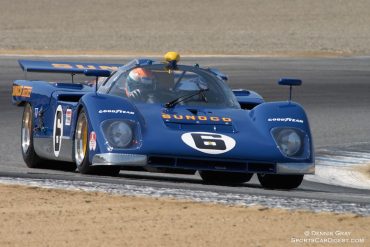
[[229, 101]]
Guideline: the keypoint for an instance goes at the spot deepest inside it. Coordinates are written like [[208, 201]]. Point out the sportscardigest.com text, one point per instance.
[[327, 237]]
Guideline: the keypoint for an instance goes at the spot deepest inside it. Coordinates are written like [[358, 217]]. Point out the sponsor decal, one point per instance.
[[118, 111], [22, 91], [80, 66], [58, 130], [196, 118], [209, 143], [68, 117], [285, 120], [92, 141], [36, 112]]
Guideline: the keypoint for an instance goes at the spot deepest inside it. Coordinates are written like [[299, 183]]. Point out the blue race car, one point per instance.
[[163, 117]]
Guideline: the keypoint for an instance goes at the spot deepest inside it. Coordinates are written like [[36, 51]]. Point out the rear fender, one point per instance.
[[45, 98], [45, 119], [38, 92]]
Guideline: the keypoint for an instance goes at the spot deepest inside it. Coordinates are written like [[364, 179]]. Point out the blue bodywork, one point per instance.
[[158, 131]]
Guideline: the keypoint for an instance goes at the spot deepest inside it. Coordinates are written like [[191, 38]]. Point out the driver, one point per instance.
[[139, 83]]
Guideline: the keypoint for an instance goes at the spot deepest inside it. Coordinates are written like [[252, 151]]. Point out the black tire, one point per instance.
[[30, 157], [274, 181], [225, 178], [81, 150]]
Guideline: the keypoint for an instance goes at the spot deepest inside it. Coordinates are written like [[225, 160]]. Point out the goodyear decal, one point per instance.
[[80, 66], [22, 91], [117, 111], [196, 118], [285, 120]]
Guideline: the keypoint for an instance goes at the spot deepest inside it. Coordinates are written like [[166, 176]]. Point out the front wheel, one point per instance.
[[275, 181], [225, 178], [81, 150]]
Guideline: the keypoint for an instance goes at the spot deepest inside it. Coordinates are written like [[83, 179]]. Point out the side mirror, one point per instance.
[[290, 82], [97, 72], [241, 92]]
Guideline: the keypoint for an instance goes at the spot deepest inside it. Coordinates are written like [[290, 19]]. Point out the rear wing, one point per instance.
[[64, 67]]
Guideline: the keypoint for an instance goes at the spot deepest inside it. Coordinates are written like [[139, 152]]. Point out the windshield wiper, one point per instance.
[[183, 98]]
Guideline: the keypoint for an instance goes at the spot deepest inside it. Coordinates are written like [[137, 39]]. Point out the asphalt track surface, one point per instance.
[[335, 94]]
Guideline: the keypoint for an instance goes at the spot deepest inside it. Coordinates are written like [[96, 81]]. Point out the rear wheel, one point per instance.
[[30, 157], [29, 154], [81, 150], [225, 178], [275, 181]]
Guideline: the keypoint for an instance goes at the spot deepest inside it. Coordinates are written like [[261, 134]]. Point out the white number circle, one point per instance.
[[209, 143]]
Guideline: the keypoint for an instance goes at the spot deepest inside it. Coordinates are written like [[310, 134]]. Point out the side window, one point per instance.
[[112, 75], [119, 85], [107, 84]]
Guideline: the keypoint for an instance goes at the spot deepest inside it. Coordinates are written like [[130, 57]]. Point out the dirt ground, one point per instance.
[[301, 27], [365, 170], [32, 216]]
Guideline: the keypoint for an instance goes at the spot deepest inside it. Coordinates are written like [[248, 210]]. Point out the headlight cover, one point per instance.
[[118, 133], [290, 141]]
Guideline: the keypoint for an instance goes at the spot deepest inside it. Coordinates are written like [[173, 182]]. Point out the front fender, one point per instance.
[[283, 114], [101, 107], [280, 114]]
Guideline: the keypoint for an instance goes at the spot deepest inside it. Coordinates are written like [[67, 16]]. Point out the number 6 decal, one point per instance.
[[210, 143], [58, 130]]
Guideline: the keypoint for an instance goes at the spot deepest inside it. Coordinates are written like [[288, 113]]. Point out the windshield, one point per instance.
[[154, 84]]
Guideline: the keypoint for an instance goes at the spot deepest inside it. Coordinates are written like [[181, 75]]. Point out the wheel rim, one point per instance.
[[26, 128], [81, 139]]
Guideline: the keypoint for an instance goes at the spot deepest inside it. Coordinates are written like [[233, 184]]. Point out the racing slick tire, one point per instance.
[[30, 157], [275, 181], [225, 178], [81, 150]]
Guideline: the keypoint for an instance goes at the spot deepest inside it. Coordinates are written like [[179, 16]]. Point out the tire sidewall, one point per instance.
[[85, 166], [30, 157]]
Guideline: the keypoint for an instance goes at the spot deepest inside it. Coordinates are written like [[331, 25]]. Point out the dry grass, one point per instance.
[[188, 26]]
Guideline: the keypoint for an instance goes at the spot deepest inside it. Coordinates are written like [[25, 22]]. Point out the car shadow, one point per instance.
[[178, 179]]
